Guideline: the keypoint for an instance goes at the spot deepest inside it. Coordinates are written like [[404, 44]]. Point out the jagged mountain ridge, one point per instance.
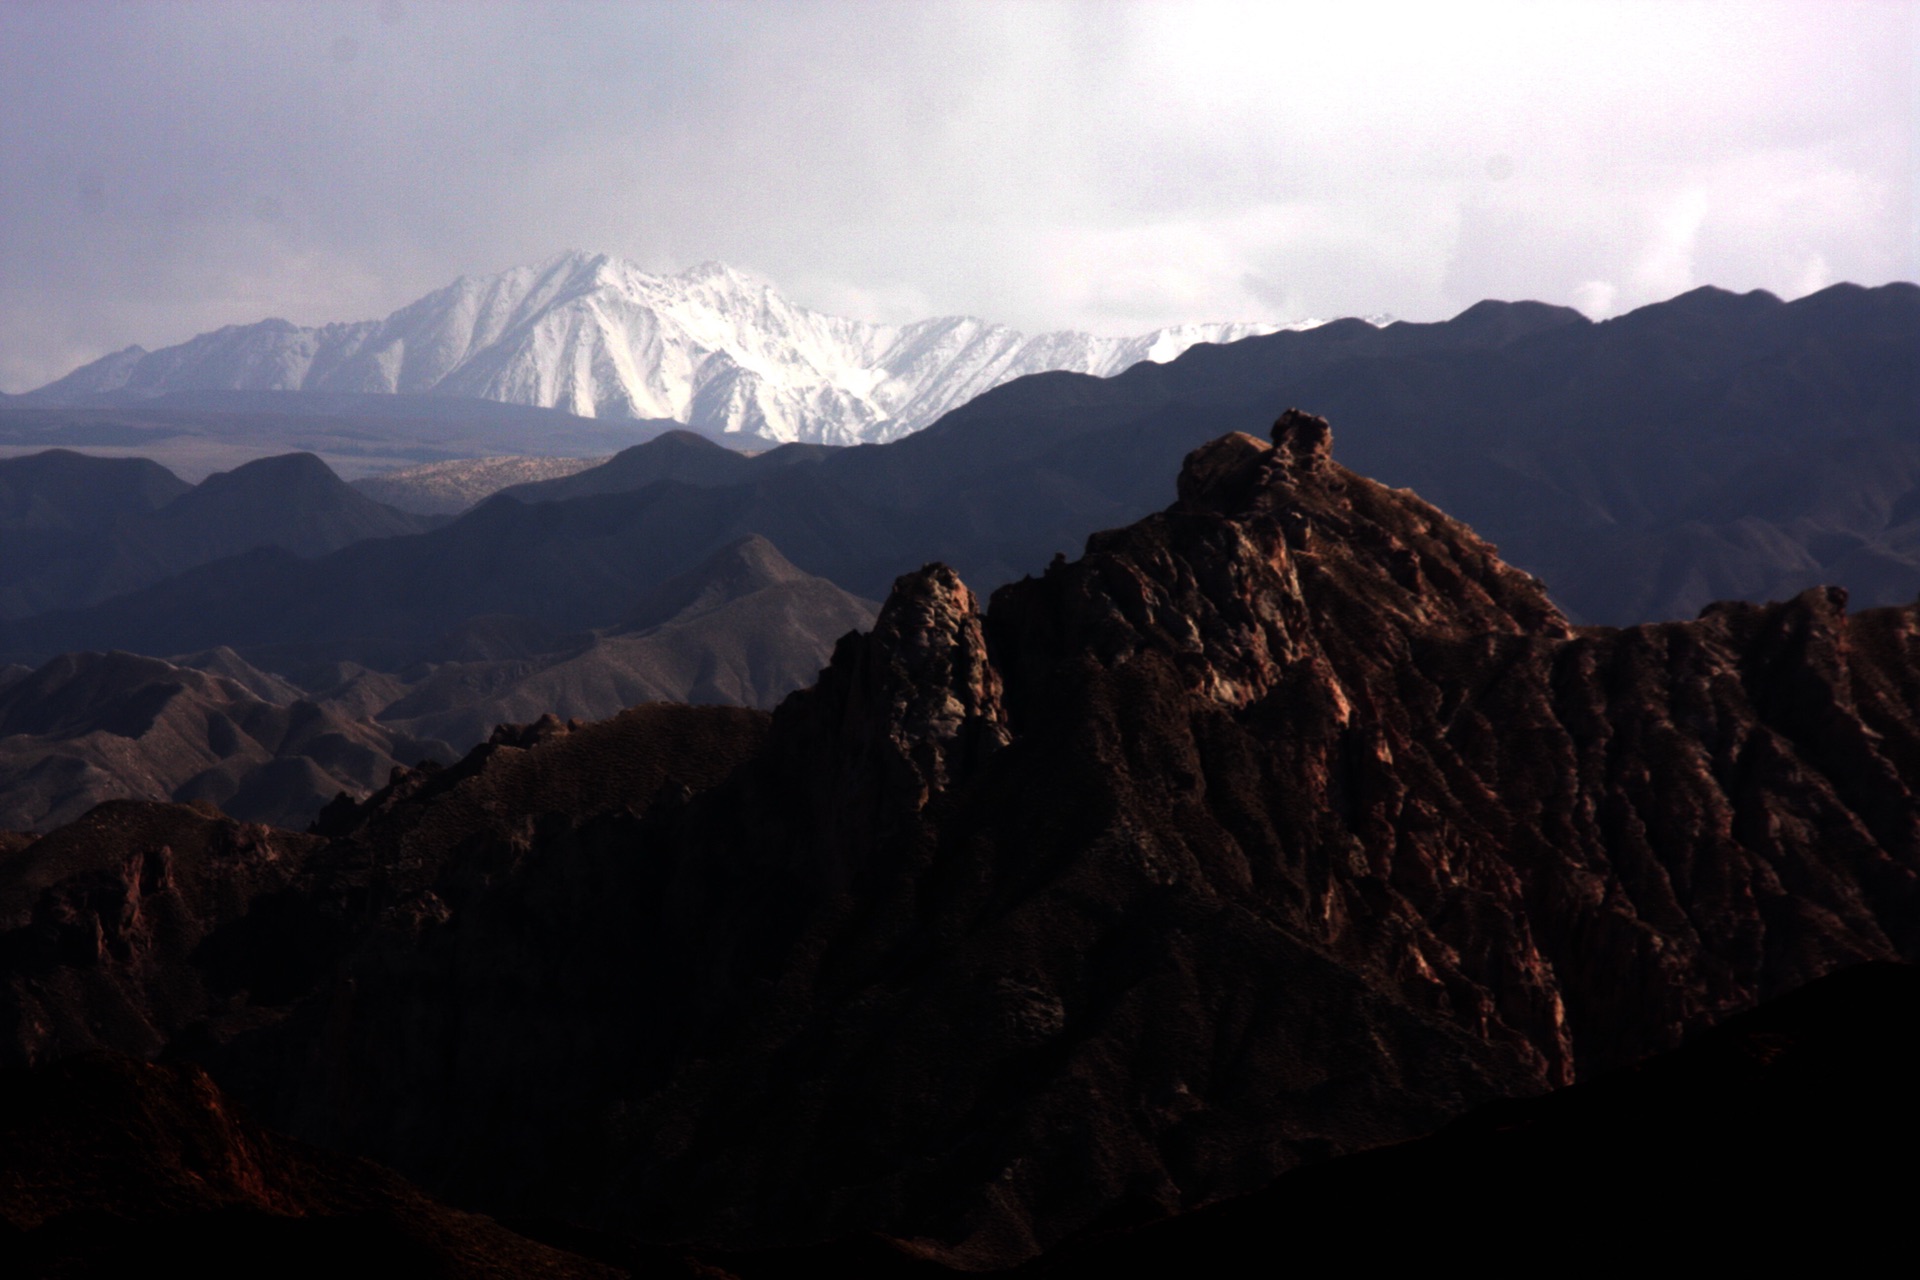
[[713, 347], [1285, 822]]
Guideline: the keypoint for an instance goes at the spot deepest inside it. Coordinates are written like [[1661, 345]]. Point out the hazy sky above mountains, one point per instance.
[[168, 168]]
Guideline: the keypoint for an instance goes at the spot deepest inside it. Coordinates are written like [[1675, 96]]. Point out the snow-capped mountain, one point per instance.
[[713, 347]]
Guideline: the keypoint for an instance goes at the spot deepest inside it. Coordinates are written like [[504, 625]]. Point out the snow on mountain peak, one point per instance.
[[714, 347]]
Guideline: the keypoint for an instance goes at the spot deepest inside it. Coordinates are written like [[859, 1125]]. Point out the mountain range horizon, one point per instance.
[[713, 347]]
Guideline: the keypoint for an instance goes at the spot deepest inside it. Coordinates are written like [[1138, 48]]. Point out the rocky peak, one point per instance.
[[922, 686], [930, 628], [1222, 474], [1305, 440], [1278, 566]]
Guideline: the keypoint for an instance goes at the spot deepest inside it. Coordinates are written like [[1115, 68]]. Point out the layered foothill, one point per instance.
[[86, 728], [80, 530], [743, 627], [1285, 823]]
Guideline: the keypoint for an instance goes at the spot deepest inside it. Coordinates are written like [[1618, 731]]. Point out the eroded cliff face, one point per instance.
[[1584, 843], [1286, 822]]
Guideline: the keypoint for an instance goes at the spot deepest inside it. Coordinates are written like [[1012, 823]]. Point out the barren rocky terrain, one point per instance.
[[1285, 823]]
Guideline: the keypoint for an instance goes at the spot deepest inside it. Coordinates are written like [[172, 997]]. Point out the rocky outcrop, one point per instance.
[[1657, 825], [1287, 822], [920, 691], [102, 924]]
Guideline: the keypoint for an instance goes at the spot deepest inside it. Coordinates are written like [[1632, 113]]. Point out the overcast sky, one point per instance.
[[168, 168]]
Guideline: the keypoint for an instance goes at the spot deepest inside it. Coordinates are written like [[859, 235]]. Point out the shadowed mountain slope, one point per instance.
[[293, 501], [743, 628], [1713, 446], [130, 927], [1284, 823], [569, 566], [60, 489]]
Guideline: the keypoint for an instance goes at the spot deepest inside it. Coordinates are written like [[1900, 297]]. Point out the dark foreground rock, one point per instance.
[[1286, 823], [1780, 1137], [1783, 1137], [112, 1167]]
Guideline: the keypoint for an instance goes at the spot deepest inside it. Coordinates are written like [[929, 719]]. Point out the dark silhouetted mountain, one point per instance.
[[294, 502], [90, 727], [453, 487], [676, 455], [67, 491], [179, 873], [1715, 446], [1285, 823], [568, 566], [1643, 467], [735, 572], [86, 545]]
